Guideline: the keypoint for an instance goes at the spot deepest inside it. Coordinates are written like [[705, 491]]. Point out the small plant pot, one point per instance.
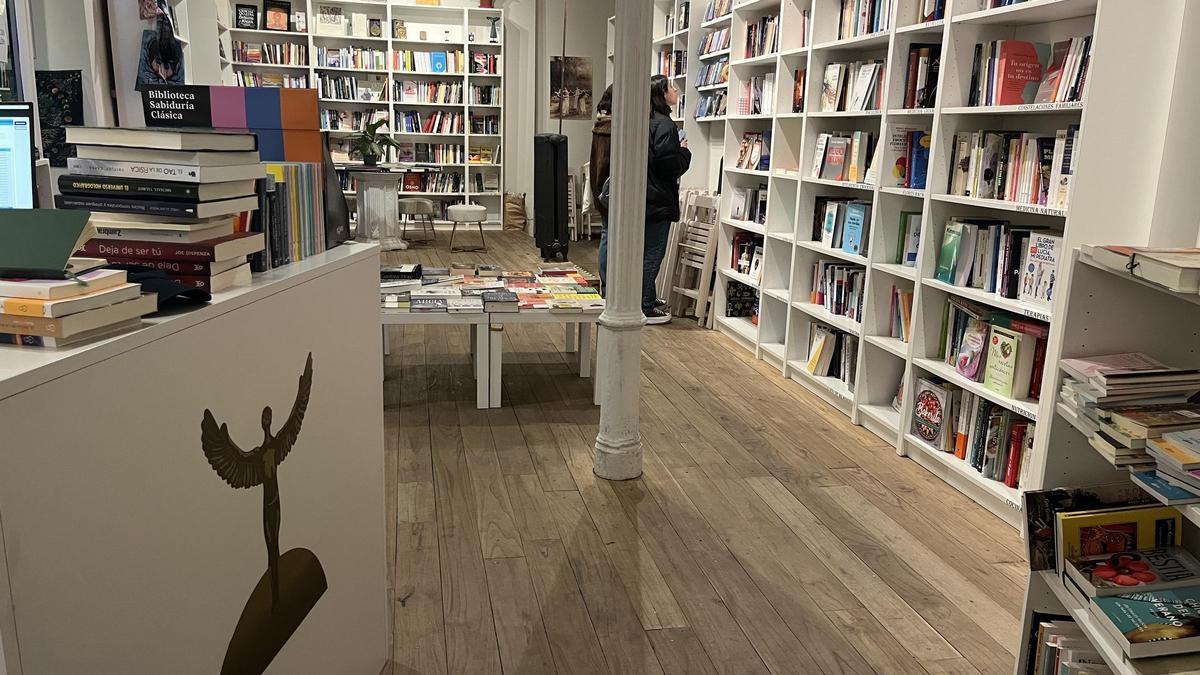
[[371, 160]]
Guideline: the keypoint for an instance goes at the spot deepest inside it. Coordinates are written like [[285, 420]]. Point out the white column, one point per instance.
[[619, 443]]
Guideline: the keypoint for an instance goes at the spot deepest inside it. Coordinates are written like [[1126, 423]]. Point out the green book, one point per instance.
[[39, 243], [948, 256], [1008, 368]]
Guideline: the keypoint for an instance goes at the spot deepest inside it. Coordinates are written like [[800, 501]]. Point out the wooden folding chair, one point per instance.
[[694, 259]]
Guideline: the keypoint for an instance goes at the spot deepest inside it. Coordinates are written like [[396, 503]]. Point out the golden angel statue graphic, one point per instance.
[[294, 581]]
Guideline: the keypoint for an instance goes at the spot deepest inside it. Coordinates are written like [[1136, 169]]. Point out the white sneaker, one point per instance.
[[656, 316]]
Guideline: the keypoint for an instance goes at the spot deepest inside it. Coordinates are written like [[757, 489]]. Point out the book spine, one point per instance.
[[168, 266], [145, 250], [120, 169], [100, 186], [112, 205]]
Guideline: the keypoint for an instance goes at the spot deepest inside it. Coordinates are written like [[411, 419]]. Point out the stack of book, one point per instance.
[[176, 200], [863, 17], [762, 37], [1018, 263], [712, 105], [994, 440], [920, 80], [717, 9], [755, 151], [1062, 647], [716, 41], [838, 287], [756, 95], [61, 313], [1123, 402]]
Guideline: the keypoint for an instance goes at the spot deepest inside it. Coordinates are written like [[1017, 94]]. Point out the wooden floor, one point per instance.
[[767, 535]]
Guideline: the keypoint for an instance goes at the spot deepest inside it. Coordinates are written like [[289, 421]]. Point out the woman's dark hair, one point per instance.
[[605, 104], [658, 95]]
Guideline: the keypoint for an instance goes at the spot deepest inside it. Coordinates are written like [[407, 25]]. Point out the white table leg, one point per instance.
[[474, 347], [585, 349], [495, 359], [479, 347], [569, 331], [387, 347]]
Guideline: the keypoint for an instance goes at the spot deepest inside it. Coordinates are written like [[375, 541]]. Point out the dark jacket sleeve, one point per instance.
[[599, 168], [668, 159]]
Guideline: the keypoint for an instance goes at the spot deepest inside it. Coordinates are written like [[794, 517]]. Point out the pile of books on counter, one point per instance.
[[177, 200], [60, 313], [467, 288], [1125, 404], [1121, 556], [1174, 269]]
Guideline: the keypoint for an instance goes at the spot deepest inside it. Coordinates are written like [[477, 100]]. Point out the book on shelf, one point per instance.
[[754, 152], [845, 224], [1175, 269], [843, 157], [1018, 72], [995, 257], [762, 36], [750, 204], [1092, 532], [1014, 166], [1151, 623], [1004, 352], [921, 75], [798, 79], [1043, 507], [715, 41], [900, 311], [1139, 571], [743, 247], [909, 145], [839, 287], [717, 9], [928, 10], [863, 17], [908, 241], [832, 353], [1058, 646], [1164, 489]]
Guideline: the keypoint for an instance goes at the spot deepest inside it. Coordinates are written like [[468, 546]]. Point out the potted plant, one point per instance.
[[370, 144]]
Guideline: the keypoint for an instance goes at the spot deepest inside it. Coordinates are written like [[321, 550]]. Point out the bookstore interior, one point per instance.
[[939, 413]]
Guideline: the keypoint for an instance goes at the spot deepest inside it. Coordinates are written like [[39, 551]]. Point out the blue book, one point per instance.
[[437, 62], [919, 160], [1163, 490], [857, 215]]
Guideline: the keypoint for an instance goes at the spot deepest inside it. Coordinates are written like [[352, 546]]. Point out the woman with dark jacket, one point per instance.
[[598, 170], [669, 160]]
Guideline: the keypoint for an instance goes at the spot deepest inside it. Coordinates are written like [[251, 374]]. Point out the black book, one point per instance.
[[157, 208], [975, 63], [158, 189]]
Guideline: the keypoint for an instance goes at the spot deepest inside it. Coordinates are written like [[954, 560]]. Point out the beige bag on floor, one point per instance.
[[515, 217]]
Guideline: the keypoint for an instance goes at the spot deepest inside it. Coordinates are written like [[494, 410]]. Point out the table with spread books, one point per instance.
[[486, 327]]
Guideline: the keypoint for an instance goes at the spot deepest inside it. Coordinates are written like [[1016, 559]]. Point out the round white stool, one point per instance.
[[467, 214]]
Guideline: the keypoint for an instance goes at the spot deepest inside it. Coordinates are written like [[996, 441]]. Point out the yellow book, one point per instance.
[[1172, 453], [1086, 533], [814, 355]]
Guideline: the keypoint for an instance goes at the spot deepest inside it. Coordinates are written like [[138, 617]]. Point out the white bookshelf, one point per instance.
[[1136, 317], [445, 28], [1110, 202]]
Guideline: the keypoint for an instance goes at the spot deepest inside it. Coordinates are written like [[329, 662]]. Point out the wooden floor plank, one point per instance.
[[420, 636], [519, 629], [874, 643], [531, 509], [680, 653], [951, 667], [565, 617], [626, 647], [497, 533]]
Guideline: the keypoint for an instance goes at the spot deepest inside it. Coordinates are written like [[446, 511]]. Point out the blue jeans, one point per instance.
[[603, 262], [655, 251]]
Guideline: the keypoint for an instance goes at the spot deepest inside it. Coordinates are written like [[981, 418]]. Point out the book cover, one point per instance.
[[1163, 490], [918, 162], [1151, 570], [1048, 87], [239, 244], [834, 166], [973, 349], [1019, 71], [1039, 269], [1153, 623], [1108, 531], [912, 237], [1009, 362], [56, 289], [854, 230], [929, 411]]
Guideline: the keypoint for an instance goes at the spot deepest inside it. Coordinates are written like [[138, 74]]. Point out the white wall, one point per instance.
[[586, 35], [66, 37]]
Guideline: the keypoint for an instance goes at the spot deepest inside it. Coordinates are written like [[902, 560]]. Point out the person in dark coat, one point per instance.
[[669, 158], [598, 171]]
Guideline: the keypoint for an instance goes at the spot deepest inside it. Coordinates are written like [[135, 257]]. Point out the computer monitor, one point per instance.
[[17, 186]]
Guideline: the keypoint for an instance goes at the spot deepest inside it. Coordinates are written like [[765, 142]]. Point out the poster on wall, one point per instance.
[[161, 58], [570, 88], [60, 104]]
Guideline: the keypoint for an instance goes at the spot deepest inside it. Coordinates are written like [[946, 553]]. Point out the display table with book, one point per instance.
[[486, 298], [204, 493]]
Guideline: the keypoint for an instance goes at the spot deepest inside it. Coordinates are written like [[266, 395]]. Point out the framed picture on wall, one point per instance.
[[245, 17], [276, 15]]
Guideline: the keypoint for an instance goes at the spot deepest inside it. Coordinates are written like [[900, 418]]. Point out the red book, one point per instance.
[[1016, 442], [1019, 70], [240, 244], [1039, 364], [184, 267]]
